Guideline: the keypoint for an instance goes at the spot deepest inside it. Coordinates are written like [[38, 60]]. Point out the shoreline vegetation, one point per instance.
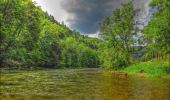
[[150, 68], [154, 68], [31, 37]]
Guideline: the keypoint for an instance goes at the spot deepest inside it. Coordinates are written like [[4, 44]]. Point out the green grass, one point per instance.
[[151, 68]]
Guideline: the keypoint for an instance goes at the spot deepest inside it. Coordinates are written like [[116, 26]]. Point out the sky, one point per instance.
[[86, 15]]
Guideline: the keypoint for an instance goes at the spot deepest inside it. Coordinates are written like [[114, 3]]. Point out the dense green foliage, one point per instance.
[[31, 37], [157, 32]]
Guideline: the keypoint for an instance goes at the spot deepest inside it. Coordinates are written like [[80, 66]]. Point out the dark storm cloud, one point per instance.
[[87, 14]]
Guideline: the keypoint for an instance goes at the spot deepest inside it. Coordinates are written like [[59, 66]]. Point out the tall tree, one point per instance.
[[157, 32], [118, 30]]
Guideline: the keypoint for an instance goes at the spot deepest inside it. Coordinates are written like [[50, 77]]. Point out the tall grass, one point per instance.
[[153, 67]]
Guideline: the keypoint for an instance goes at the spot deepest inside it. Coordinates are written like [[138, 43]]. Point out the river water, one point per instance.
[[80, 84]]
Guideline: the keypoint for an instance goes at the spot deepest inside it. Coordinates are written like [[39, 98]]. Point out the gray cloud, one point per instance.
[[89, 13]]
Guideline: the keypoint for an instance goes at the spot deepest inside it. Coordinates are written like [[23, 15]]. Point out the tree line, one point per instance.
[[30, 37]]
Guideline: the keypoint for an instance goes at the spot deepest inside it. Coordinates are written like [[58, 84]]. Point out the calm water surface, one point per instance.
[[80, 84]]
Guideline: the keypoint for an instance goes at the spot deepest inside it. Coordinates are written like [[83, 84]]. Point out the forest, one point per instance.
[[32, 38]]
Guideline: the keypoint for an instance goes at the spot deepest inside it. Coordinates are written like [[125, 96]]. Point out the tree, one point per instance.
[[118, 31], [157, 32]]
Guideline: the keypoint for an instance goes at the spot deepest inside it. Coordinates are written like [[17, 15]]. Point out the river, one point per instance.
[[80, 84]]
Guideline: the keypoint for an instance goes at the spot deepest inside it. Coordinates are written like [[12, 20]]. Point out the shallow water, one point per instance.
[[80, 84]]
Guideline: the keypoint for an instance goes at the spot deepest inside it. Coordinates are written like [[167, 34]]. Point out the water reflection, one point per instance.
[[80, 85]]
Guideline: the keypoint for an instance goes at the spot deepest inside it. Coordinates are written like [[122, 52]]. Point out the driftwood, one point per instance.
[[142, 73], [120, 74]]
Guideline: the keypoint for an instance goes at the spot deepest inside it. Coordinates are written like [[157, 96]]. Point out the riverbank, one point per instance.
[[151, 68]]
